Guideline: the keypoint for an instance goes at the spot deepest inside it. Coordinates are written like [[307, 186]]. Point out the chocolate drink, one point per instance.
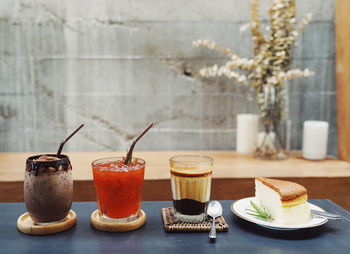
[[48, 187], [191, 190]]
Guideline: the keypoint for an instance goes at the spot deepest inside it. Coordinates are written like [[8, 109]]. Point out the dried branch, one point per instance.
[[257, 36], [270, 67], [213, 46]]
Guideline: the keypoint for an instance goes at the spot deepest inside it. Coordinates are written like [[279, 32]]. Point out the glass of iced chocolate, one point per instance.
[[190, 186], [48, 187]]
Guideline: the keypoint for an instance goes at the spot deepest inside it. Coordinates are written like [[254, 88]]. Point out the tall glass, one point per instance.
[[118, 188], [48, 187], [190, 186]]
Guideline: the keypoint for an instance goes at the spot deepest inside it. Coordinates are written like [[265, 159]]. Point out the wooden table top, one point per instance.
[[227, 164]]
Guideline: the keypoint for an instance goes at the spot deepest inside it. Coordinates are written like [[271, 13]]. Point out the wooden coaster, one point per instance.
[[170, 225], [26, 225], [97, 223]]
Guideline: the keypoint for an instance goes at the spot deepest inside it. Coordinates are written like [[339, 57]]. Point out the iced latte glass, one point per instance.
[[190, 186], [48, 187], [118, 188]]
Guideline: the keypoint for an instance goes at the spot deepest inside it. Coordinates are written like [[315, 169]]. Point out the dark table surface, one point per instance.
[[243, 237]]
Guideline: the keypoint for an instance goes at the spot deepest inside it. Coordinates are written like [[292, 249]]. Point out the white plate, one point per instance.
[[239, 209]]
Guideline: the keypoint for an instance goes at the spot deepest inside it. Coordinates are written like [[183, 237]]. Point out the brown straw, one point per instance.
[[67, 138], [129, 154]]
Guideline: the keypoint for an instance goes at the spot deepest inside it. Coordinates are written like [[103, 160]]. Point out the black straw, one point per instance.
[[129, 154], [67, 138]]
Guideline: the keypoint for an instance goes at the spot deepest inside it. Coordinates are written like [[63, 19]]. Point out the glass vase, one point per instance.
[[274, 139]]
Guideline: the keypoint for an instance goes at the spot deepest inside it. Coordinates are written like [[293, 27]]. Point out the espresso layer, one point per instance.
[[190, 206], [190, 174]]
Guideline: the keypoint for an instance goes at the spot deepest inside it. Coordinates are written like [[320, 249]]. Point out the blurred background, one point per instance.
[[118, 65]]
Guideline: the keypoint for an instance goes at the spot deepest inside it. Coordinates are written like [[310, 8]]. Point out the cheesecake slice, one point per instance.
[[286, 201]]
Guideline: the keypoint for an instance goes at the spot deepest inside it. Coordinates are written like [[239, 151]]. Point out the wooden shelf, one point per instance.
[[232, 174], [227, 164]]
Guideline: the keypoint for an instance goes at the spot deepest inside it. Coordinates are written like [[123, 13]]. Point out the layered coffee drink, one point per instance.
[[48, 187], [191, 185]]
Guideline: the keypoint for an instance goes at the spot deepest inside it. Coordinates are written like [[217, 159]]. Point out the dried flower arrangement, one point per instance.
[[268, 69]]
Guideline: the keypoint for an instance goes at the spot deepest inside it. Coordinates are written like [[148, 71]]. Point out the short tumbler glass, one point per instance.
[[190, 186], [118, 188], [48, 188]]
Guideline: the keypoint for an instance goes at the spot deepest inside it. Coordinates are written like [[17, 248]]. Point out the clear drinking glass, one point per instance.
[[118, 188], [48, 187], [190, 186]]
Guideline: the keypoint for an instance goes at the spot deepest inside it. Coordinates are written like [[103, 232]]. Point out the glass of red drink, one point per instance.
[[118, 188]]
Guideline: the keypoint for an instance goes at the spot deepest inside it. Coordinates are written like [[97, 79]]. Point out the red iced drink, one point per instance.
[[118, 186]]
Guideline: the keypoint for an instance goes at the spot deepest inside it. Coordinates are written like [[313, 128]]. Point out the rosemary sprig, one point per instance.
[[260, 213]]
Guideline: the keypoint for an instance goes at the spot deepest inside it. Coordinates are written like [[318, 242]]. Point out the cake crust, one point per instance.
[[287, 190]]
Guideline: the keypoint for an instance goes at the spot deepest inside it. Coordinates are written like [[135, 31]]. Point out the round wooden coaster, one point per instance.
[[27, 226], [97, 223]]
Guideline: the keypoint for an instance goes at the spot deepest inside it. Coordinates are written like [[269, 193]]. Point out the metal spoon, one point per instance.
[[214, 210]]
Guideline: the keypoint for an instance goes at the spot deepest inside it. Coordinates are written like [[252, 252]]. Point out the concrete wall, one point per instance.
[[117, 65]]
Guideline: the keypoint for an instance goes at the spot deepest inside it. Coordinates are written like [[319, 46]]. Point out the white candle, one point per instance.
[[247, 133], [315, 138]]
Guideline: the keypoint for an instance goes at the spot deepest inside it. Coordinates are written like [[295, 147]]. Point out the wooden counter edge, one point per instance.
[[335, 189]]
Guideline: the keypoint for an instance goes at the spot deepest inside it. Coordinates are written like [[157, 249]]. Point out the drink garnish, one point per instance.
[[259, 212], [131, 149]]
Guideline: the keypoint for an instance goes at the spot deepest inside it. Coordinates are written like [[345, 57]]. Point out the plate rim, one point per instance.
[[276, 226]]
